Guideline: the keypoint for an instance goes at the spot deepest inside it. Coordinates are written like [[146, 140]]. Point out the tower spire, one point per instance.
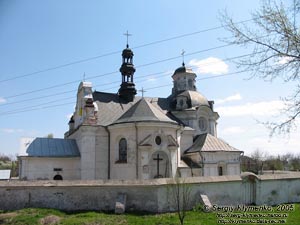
[[127, 89]]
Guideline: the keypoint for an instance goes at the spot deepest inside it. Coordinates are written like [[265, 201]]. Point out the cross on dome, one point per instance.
[[182, 53]]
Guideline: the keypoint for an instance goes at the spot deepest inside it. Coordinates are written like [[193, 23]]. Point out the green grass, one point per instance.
[[52, 217]]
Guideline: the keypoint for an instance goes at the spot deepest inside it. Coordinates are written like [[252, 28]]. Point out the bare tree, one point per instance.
[[274, 39], [180, 193]]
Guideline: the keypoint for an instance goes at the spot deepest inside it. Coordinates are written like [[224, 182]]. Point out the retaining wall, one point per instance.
[[148, 195]]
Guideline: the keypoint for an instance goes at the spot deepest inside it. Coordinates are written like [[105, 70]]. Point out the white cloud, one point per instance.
[[233, 130], [158, 76], [276, 145], [2, 100], [231, 98], [269, 108], [210, 65], [284, 60]]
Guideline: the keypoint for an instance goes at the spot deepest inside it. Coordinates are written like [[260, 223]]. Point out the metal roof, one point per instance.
[[112, 107], [208, 143], [4, 174], [52, 147], [143, 110], [195, 98]]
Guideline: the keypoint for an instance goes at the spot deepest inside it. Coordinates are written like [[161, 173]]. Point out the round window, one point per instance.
[[202, 124], [158, 140]]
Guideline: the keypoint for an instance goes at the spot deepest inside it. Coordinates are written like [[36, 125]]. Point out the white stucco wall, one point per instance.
[[92, 142], [149, 195], [34, 168], [142, 136], [229, 160]]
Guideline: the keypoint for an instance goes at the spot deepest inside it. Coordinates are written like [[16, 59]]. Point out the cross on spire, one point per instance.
[[84, 76], [182, 53], [127, 36], [142, 91]]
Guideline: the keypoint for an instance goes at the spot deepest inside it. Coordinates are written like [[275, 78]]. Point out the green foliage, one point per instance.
[[5, 165], [50, 135], [55, 217], [198, 208]]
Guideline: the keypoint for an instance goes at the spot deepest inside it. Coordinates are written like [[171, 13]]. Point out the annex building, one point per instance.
[[124, 136]]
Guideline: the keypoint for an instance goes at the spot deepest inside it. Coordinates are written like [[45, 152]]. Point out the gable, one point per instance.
[[111, 107]]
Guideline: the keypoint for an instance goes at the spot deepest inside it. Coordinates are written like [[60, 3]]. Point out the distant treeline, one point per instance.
[[259, 161], [7, 163]]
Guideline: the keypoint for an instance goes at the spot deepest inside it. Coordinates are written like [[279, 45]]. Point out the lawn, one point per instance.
[[33, 216]]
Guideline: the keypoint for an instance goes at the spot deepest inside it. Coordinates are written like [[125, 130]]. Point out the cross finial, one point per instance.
[[182, 53], [84, 76], [127, 36], [143, 91]]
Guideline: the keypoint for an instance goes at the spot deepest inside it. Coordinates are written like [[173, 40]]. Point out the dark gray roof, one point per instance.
[[111, 107], [191, 163], [4, 174], [53, 147], [195, 98], [143, 111], [183, 69], [208, 143]]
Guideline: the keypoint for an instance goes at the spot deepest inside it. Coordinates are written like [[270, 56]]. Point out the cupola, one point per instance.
[[127, 89]]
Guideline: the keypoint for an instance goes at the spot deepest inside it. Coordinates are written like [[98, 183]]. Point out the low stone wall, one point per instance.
[[148, 195]]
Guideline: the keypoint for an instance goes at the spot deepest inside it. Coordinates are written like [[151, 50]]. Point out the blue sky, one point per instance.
[[40, 35]]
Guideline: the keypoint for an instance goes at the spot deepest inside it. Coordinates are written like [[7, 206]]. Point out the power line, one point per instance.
[[203, 78], [116, 52], [158, 73], [114, 72], [38, 108], [74, 90], [36, 98], [33, 108]]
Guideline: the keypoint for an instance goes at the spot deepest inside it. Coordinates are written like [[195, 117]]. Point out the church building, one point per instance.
[[124, 136]]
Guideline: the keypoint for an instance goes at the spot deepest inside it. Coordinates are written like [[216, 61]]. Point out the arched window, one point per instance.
[[202, 124], [220, 170], [123, 150], [181, 102], [190, 82], [57, 177]]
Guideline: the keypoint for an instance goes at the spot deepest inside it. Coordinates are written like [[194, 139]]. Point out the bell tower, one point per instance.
[[127, 89]]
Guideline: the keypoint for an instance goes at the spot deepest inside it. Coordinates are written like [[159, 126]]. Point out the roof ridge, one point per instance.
[[143, 110]]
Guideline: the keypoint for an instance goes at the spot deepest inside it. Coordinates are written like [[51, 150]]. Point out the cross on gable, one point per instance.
[[142, 91], [127, 36]]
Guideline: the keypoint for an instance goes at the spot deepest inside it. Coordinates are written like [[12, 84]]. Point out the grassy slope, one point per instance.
[[46, 216]]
